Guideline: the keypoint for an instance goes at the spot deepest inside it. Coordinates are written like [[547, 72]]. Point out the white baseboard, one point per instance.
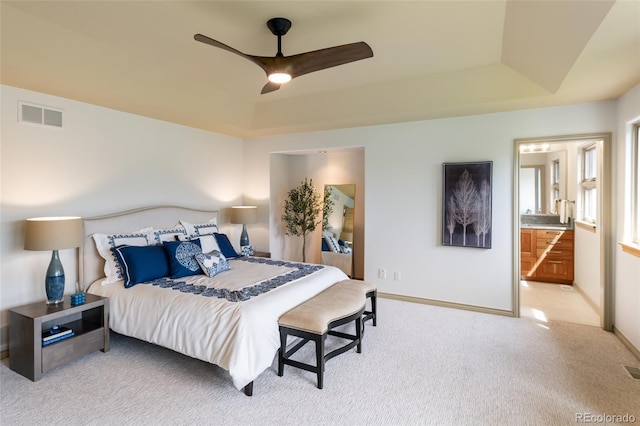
[[635, 351]]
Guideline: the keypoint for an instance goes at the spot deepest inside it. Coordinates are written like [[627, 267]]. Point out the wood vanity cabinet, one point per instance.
[[527, 252], [547, 255]]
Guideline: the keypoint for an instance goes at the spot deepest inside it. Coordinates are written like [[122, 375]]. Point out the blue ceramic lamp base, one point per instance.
[[244, 237], [54, 282]]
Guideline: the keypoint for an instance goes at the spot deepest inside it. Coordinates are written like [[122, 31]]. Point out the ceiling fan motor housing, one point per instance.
[[279, 26]]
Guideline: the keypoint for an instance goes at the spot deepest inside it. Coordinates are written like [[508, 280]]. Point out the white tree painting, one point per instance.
[[467, 204]]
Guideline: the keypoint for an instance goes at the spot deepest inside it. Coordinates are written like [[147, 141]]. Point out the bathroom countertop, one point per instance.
[[565, 227]]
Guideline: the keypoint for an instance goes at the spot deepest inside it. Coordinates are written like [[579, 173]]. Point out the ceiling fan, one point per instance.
[[280, 69]]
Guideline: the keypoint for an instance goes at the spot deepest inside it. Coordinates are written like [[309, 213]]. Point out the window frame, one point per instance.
[[635, 184], [589, 183]]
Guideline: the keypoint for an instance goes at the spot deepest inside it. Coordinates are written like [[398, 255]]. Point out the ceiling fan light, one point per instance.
[[279, 77]]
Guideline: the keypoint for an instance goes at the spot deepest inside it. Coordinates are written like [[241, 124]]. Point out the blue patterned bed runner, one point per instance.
[[301, 270]]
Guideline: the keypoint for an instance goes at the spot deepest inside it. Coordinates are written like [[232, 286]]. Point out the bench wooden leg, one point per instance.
[[320, 359], [359, 327], [373, 313]]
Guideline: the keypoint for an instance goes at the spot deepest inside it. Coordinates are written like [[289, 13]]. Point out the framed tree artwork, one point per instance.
[[466, 204]]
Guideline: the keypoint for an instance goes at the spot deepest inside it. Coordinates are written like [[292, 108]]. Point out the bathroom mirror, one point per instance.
[[532, 198], [340, 225]]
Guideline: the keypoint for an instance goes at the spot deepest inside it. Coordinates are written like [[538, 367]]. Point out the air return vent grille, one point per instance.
[[37, 114]]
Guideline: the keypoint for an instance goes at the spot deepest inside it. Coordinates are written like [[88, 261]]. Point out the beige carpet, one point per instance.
[[422, 365]]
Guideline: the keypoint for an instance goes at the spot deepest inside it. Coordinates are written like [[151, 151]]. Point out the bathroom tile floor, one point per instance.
[[557, 302]]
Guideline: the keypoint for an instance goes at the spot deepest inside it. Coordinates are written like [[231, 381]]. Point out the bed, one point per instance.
[[229, 319]]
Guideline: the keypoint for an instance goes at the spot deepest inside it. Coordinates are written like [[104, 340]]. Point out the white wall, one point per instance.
[[102, 161], [403, 178], [627, 266]]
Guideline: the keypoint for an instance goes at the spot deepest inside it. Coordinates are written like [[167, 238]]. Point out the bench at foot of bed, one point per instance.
[[316, 318]]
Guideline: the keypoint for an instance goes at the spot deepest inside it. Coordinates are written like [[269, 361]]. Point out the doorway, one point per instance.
[[561, 157]]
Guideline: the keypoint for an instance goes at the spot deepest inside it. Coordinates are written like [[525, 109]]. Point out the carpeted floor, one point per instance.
[[422, 365]]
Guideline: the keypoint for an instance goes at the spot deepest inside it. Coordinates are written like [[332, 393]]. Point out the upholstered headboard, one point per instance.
[[92, 264]]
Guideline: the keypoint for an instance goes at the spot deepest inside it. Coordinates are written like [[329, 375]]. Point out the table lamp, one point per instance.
[[53, 233], [244, 215]]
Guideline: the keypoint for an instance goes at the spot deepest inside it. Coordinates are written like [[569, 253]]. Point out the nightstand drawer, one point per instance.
[[67, 350]]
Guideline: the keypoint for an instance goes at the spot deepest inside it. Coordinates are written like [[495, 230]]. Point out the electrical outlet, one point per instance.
[[397, 276], [382, 273]]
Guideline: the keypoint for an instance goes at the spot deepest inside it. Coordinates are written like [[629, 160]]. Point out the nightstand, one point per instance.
[[89, 322], [262, 254]]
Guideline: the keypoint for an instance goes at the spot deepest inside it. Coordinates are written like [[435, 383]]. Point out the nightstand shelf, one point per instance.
[[89, 322]]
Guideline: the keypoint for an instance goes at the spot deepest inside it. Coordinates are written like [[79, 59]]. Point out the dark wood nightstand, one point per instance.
[[89, 322], [262, 254]]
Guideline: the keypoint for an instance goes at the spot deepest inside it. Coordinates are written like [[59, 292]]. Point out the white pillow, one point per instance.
[[197, 229], [209, 243], [105, 242]]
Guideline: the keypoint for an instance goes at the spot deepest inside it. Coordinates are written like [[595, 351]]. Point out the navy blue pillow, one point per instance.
[[325, 247], [225, 246], [180, 255], [141, 264]]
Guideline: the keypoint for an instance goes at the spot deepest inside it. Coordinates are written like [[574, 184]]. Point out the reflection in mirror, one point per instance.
[[532, 189], [337, 233]]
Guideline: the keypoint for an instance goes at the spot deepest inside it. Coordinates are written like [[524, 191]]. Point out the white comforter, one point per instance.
[[241, 337]]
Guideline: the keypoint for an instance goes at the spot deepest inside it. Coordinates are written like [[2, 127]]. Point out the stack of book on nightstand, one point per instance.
[[55, 334]]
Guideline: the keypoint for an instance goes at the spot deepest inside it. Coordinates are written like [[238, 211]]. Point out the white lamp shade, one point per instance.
[[53, 233], [244, 214]]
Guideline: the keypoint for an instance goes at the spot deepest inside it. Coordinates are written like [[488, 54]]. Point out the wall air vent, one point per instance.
[[38, 114]]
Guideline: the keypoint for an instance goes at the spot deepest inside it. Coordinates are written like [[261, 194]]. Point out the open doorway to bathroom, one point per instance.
[[562, 217]]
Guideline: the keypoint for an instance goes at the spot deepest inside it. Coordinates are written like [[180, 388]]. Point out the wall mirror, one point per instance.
[[543, 179], [340, 225], [531, 190]]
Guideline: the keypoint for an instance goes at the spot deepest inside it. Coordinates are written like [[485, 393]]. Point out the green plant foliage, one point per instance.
[[327, 209], [301, 210]]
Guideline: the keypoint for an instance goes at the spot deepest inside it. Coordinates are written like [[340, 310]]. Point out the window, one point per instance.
[[636, 183], [588, 183]]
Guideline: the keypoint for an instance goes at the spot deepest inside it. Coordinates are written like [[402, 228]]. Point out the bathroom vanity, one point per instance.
[[546, 249]]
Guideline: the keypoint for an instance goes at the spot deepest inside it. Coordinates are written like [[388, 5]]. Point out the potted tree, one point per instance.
[[301, 210]]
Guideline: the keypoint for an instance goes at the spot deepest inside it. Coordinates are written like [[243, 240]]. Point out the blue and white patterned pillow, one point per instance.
[[197, 229], [106, 242], [177, 233], [180, 255], [212, 263], [332, 242]]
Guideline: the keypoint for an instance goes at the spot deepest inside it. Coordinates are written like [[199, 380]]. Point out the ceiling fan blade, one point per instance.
[[216, 43], [305, 63], [270, 87]]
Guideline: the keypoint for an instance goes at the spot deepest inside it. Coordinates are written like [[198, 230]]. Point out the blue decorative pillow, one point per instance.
[[180, 255], [212, 263], [325, 247], [140, 264], [225, 246]]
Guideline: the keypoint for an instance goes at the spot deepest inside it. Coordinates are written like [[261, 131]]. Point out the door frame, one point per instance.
[[605, 209]]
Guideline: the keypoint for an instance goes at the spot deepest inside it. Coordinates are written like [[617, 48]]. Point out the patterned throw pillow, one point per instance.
[[180, 255], [332, 242], [212, 263]]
